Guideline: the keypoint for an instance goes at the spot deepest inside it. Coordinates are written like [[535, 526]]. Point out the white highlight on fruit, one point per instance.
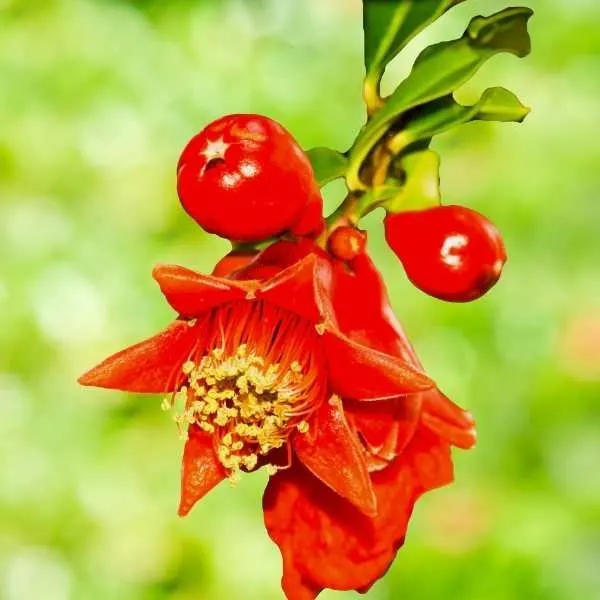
[[497, 268], [248, 169], [230, 179], [451, 244]]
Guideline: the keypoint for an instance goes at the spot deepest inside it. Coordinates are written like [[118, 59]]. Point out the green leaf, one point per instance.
[[421, 188], [327, 164], [440, 70], [433, 118], [390, 24]]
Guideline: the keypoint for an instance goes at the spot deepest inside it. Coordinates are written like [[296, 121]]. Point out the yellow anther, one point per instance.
[[280, 410], [199, 390], [211, 406], [188, 367], [197, 406], [247, 402], [242, 383], [271, 469], [230, 461], [222, 418], [167, 403], [302, 427], [249, 461], [240, 428], [207, 427]]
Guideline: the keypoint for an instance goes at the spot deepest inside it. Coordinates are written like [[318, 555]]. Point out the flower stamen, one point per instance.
[[252, 395]]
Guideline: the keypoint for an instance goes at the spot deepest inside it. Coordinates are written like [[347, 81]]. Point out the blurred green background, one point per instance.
[[97, 98]]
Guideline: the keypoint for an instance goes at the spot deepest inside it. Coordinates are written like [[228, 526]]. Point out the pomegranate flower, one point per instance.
[[294, 362]]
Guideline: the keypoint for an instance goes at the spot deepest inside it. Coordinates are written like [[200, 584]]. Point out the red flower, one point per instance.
[[295, 362]]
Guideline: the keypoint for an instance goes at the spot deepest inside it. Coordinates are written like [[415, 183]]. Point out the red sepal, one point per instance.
[[302, 289], [191, 293], [361, 373], [375, 324], [448, 420], [234, 261], [278, 256], [200, 470], [151, 366], [334, 455], [326, 543]]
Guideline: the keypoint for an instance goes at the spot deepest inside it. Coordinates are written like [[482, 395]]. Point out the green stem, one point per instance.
[[399, 142], [345, 213], [372, 95]]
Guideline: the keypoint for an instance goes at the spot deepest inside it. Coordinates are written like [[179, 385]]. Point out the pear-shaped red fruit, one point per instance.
[[449, 252]]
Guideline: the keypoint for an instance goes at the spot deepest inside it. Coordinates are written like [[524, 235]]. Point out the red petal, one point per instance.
[[302, 289], [285, 253], [385, 427], [191, 293], [374, 324], [234, 261], [279, 256], [334, 455], [294, 586], [201, 471], [326, 543], [448, 420], [152, 366], [359, 372]]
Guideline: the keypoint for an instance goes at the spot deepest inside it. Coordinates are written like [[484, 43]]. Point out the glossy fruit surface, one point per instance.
[[346, 243], [244, 178], [450, 252]]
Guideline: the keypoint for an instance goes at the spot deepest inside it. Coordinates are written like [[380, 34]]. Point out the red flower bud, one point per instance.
[[346, 243], [244, 178], [450, 252]]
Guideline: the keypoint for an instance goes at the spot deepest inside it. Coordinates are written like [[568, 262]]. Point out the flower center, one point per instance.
[[254, 380]]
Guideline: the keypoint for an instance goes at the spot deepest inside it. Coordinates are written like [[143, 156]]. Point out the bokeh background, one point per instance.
[[97, 97]]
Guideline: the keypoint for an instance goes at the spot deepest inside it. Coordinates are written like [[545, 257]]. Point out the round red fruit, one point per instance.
[[244, 178], [450, 252]]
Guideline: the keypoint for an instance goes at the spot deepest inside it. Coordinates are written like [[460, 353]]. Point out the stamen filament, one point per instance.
[[256, 379]]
